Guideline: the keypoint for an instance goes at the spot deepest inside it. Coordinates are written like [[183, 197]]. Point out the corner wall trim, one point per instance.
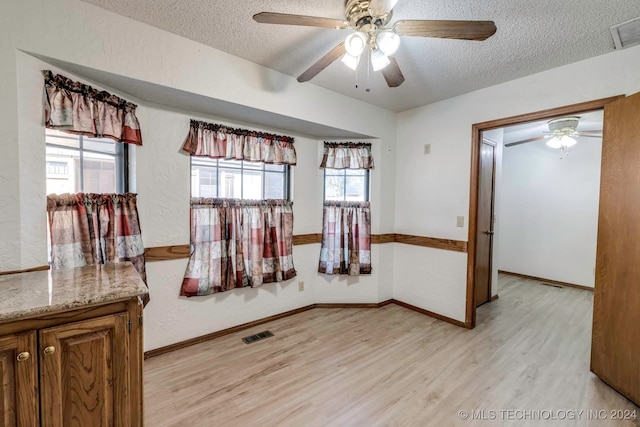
[[197, 340], [553, 282], [26, 270]]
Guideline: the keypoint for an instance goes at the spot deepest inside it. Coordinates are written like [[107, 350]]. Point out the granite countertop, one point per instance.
[[40, 292]]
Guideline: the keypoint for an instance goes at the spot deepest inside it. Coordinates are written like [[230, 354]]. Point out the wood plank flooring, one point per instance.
[[395, 367]]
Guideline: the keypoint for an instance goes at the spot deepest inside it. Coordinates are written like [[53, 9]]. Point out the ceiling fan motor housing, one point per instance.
[[564, 125], [358, 15]]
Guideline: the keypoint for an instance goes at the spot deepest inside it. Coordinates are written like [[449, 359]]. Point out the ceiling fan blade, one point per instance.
[[381, 7], [323, 63], [393, 74], [462, 30], [525, 141], [587, 135], [307, 21]]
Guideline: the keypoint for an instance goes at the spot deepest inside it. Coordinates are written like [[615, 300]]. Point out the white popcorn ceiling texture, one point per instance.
[[532, 36]]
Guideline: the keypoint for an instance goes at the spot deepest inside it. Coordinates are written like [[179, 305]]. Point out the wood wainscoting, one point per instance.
[[213, 335], [165, 253]]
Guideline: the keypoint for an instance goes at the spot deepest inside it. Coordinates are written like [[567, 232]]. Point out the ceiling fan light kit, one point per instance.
[[561, 135], [561, 141], [368, 20]]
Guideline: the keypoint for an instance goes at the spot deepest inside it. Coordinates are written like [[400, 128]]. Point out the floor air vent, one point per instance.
[[257, 337]]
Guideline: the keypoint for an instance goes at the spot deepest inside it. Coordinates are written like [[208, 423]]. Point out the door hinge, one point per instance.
[[130, 325]]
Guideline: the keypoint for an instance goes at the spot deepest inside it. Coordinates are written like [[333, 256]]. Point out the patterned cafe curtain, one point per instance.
[[346, 238], [88, 229], [238, 243]]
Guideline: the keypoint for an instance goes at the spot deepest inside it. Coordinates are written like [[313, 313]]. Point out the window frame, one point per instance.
[[367, 177], [204, 160], [121, 157]]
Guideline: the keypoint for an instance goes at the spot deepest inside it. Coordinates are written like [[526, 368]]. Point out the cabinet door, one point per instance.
[[18, 380], [84, 373]]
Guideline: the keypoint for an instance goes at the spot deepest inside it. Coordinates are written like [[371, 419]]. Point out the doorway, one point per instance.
[[480, 243]]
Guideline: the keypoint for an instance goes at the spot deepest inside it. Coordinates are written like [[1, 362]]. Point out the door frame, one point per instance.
[[476, 141]]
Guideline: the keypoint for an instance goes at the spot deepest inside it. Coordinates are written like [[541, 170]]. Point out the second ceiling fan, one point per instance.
[[368, 19]]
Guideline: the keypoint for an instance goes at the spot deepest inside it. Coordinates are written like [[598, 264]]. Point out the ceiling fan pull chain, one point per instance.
[[369, 71]]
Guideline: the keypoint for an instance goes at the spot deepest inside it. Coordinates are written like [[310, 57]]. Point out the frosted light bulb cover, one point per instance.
[[350, 61], [388, 42], [355, 43], [379, 60]]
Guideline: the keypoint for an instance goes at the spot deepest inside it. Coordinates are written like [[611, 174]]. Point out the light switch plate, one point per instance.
[[427, 148], [460, 221]]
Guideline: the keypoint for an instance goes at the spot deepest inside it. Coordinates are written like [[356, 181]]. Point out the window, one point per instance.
[[350, 185], [238, 179], [80, 164]]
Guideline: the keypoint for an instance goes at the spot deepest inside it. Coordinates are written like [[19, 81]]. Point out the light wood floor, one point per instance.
[[392, 366]]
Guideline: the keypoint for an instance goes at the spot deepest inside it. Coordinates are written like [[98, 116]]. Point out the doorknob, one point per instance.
[[490, 232]]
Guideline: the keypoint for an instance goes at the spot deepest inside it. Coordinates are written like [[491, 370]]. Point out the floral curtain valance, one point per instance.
[[78, 108], [238, 243], [347, 155], [221, 142]]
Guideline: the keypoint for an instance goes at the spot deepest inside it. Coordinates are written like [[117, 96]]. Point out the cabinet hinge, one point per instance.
[[130, 326], [140, 321]]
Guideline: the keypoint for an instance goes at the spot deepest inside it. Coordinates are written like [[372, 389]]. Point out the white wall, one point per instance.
[[549, 211], [79, 33], [432, 190]]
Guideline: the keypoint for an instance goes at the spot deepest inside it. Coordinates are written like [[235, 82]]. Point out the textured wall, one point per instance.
[[79, 33], [432, 190], [75, 32]]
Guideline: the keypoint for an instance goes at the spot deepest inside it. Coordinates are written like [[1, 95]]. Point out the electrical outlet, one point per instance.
[[300, 286], [427, 148], [460, 221]]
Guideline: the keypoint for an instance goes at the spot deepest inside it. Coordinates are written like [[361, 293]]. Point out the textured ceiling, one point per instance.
[[532, 36]]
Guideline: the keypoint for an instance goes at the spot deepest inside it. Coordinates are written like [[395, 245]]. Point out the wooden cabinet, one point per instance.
[[77, 368], [18, 380], [84, 373]]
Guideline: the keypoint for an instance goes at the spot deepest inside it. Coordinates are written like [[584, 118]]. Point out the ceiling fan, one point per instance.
[[368, 21], [562, 133]]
